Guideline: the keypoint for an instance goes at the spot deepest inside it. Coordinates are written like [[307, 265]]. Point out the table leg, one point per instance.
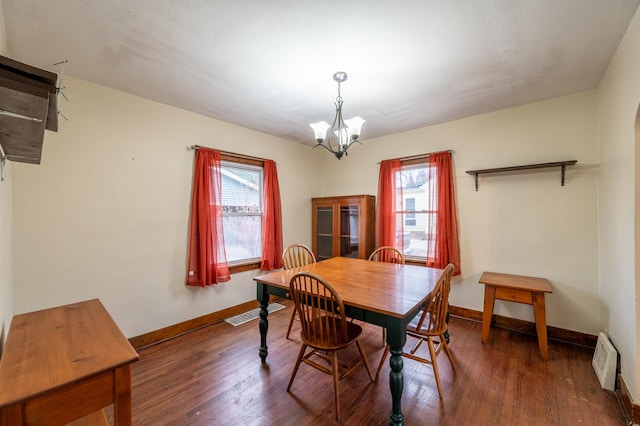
[[396, 383], [263, 298], [122, 404], [487, 313], [541, 323], [396, 338]]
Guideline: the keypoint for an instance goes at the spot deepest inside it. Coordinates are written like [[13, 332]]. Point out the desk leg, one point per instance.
[[13, 415], [263, 298], [122, 404], [541, 323], [487, 313]]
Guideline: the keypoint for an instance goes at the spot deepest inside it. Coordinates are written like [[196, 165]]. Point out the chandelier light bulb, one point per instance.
[[320, 130], [355, 126]]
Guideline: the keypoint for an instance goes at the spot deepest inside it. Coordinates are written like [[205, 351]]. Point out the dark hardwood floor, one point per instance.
[[213, 376]]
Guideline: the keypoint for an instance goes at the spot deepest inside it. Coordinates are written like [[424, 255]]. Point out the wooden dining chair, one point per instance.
[[293, 256], [430, 326], [325, 329], [387, 254]]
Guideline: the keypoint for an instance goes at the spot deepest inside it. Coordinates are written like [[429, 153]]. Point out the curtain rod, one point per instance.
[[417, 157], [234, 154]]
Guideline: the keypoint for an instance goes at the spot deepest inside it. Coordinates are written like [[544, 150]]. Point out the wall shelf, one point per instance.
[[28, 107], [562, 164]]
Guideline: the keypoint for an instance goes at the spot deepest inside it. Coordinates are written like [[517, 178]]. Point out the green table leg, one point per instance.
[[396, 383], [396, 338], [263, 298]]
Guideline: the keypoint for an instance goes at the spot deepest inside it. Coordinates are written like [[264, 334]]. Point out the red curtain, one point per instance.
[[271, 220], [387, 204], [445, 247], [207, 262]]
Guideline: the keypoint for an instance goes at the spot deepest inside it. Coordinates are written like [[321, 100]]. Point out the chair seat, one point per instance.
[[338, 339], [413, 325]]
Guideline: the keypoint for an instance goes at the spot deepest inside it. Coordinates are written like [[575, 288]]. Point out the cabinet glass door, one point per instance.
[[349, 227], [325, 232]]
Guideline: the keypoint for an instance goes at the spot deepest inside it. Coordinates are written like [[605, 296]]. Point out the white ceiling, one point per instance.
[[268, 65]]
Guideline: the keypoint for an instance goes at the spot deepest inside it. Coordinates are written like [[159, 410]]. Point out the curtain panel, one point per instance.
[[207, 260], [387, 203], [446, 247], [271, 220]]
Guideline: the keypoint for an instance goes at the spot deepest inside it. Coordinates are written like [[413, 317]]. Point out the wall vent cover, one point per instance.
[[604, 362]]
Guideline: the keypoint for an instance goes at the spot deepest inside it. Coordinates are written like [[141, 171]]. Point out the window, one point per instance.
[[416, 184], [242, 211], [417, 209]]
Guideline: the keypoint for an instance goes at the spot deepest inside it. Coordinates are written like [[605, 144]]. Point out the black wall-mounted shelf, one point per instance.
[[562, 164]]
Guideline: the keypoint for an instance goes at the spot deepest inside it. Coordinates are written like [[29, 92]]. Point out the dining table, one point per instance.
[[385, 294]]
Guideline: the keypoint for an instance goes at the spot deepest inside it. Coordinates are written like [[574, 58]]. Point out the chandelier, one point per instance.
[[342, 133]]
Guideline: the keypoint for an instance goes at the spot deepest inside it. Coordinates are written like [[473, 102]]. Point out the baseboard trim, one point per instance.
[[527, 327], [172, 331], [630, 410]]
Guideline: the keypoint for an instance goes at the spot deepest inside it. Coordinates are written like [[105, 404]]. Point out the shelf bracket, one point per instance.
[[476, 179]]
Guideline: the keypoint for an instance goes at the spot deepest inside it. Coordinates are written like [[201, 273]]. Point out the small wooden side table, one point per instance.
[[520, 289], [64, 363]]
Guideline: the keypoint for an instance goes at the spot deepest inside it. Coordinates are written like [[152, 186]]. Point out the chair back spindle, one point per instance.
[[297, 255], [320, 309], [435, 312], [387, 254]]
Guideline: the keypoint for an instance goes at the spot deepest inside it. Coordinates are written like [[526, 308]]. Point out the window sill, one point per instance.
[[415, 261], [244, 267]]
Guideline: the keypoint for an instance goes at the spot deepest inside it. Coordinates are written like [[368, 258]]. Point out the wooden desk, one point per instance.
[[64, 363], [384, 294], [520, 289]]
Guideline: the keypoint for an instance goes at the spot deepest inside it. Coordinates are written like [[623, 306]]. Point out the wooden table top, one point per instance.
[[387, 288], [51, 348], [516, 281]]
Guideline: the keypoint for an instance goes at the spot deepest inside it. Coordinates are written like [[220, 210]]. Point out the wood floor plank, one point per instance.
[[213, 376]]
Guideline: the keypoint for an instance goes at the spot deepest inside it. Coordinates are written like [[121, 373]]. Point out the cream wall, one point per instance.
[[106, 213], [516, 223], [619, 97], [5, 230]]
